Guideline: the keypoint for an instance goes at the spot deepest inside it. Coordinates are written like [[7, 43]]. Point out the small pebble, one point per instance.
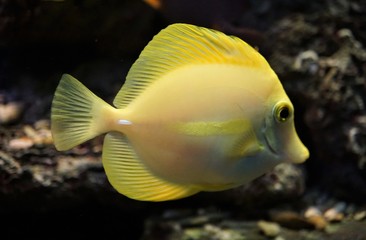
[[45, 136], [314, 216], [360, 216], [312, 211], [307, 61], [30, 132], [279, 238], [318, 221], [335, 214], [42, 124], [290, 219], [10, 112], [270, 229], [41, 136], [20, 143]]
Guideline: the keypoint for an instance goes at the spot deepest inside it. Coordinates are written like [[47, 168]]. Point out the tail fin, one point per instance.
[[76, 114]]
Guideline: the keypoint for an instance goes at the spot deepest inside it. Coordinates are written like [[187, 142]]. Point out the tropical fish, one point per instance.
[[199, 111]]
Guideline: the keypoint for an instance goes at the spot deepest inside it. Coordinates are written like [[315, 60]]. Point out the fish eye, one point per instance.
[[282, 112]]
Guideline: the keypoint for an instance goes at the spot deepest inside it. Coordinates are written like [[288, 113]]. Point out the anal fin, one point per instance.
[[130, 177]]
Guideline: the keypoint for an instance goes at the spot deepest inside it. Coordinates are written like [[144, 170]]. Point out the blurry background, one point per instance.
[[317, 48]]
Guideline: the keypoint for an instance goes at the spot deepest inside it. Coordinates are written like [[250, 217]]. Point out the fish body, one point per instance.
[[199, 111]]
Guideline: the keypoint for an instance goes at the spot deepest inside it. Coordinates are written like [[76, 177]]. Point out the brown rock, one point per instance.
[[270, 229], [290, 219], [10, 112], [314, 216], [20, 143]]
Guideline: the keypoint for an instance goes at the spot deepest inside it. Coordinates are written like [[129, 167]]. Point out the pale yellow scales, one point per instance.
[[200, 111]]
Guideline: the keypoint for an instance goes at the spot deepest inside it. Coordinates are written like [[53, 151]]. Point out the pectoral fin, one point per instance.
[[246, 145]]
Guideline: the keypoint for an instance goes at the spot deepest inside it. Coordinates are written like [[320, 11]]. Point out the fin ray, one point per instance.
[[129, 176], [73, 112], [183, 44], [247, 144]]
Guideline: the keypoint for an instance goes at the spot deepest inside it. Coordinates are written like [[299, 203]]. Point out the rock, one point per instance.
[[38, 136], [347, 230], [69, 168], [270, 229], [312, 211], [307, 61], [335, 214], [40, 133], [290, 219], [9, 168], [315, 217], [20, 143], [359, 216], [10, 112], [327, 83], [318, 221], [215, 232]]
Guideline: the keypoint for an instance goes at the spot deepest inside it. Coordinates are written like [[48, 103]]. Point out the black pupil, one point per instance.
[[284, 113]]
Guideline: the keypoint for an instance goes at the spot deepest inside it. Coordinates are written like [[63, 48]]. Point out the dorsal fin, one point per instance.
[[179, 45]]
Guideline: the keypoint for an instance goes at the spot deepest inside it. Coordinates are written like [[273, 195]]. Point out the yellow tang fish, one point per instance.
[[199, 111]]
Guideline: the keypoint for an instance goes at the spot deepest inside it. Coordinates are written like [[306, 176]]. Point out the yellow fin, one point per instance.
[[182, 44], [129, 176], [246, 145], [74, 114]]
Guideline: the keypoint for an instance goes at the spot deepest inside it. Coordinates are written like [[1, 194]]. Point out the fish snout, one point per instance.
[[297, 152], [301, 156]]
